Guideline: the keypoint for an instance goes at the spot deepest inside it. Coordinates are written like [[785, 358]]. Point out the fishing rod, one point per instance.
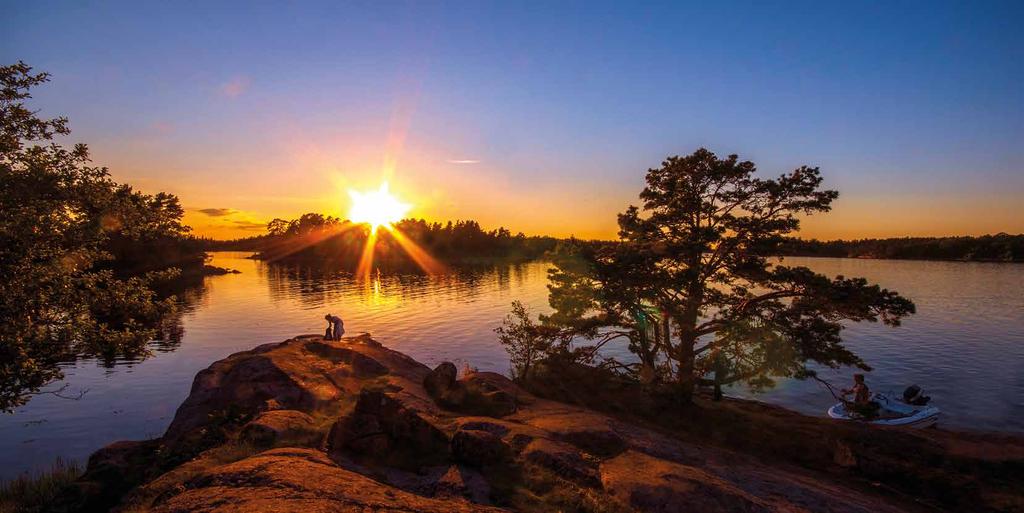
[[827, 385]]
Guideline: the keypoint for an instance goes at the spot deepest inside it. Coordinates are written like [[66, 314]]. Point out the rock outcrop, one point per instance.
[[305, 480], [309, 425], [277, 426], [479, 393]]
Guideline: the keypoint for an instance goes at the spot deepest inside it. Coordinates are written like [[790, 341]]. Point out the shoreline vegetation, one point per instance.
[[499, 245], [1001, 247]]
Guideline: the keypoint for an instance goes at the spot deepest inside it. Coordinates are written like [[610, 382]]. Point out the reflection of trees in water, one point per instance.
[[170, 331], [319, 284]]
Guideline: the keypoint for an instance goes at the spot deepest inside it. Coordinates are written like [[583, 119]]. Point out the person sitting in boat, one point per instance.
[[862, 403]]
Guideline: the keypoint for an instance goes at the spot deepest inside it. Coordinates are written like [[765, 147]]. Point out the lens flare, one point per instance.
[[376, 208]]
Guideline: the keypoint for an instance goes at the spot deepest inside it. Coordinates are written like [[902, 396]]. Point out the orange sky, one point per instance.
[[226, 204], [531, 119]]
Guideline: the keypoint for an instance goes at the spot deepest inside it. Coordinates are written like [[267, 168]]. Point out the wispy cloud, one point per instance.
[[217, 212], [463, 161], [249, 225], [235, 87]]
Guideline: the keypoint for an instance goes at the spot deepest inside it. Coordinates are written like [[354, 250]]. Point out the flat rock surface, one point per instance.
[[299, 480]]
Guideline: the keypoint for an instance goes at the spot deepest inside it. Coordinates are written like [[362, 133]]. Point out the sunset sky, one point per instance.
[[542, 117]]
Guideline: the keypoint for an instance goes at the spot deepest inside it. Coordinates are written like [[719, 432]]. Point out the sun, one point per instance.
[[376, 208]]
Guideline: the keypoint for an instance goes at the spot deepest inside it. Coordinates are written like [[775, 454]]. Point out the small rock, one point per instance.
[[383, 427], [500, 403], [359, 433], [562, 460], [115, 469], [479, 448], [269, 405], [277, 425], [441, 380], [462, 482]]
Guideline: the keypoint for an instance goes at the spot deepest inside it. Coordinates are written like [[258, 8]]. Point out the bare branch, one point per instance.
[[59, 393]]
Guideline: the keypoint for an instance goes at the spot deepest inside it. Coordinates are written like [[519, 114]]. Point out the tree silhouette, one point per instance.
[[690, 284], [78, 252]]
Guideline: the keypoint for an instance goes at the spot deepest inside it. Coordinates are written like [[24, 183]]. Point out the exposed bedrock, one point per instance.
[[311, 425]]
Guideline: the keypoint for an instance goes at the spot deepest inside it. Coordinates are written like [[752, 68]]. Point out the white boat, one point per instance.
[[894, 412]]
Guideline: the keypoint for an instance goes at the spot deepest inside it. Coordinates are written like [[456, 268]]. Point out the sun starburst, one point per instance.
[[376, 208]]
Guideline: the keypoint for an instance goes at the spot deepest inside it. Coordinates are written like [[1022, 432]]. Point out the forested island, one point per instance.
[[316, 238], [1001, 247]]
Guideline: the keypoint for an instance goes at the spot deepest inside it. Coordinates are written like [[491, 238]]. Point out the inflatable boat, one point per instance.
[[910, 411]]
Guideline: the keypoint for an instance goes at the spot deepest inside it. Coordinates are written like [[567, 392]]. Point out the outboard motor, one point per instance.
[[912, 395]]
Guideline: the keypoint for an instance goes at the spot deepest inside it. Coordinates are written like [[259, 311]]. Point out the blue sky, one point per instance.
[[914, 110]]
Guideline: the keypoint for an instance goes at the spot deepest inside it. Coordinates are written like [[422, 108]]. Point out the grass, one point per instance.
[[38, 492]]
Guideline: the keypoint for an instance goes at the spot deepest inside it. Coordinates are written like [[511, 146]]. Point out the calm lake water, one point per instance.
[[965, 346]]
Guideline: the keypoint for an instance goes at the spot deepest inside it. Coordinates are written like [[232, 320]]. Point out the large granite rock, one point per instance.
[[429, 447], [304, 374]]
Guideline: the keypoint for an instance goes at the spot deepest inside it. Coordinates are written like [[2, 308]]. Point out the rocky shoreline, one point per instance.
[[311, 425]]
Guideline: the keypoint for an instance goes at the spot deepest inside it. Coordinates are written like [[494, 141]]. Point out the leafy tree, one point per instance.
[[62, 224], [525, 341], [691, 278]]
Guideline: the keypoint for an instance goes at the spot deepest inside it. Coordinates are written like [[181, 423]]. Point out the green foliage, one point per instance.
[[525, 341], [690, 285], [40, 492], [79, 253]]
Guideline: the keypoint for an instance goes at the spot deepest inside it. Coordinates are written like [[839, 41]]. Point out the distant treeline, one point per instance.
[[987, 248], [315, 237]]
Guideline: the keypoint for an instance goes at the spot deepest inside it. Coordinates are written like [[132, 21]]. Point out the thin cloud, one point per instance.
[[464, 161], [217, 212], [250, 225], [235, 87]]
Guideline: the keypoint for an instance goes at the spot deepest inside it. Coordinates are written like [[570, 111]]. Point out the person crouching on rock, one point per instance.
[[335, 327]]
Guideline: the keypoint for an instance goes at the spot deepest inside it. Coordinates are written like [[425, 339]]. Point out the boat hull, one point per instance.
[[913, 417]]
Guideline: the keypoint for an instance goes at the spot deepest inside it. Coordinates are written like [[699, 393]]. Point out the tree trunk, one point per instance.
[[719, 375], [666, 339], [687, 323]]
